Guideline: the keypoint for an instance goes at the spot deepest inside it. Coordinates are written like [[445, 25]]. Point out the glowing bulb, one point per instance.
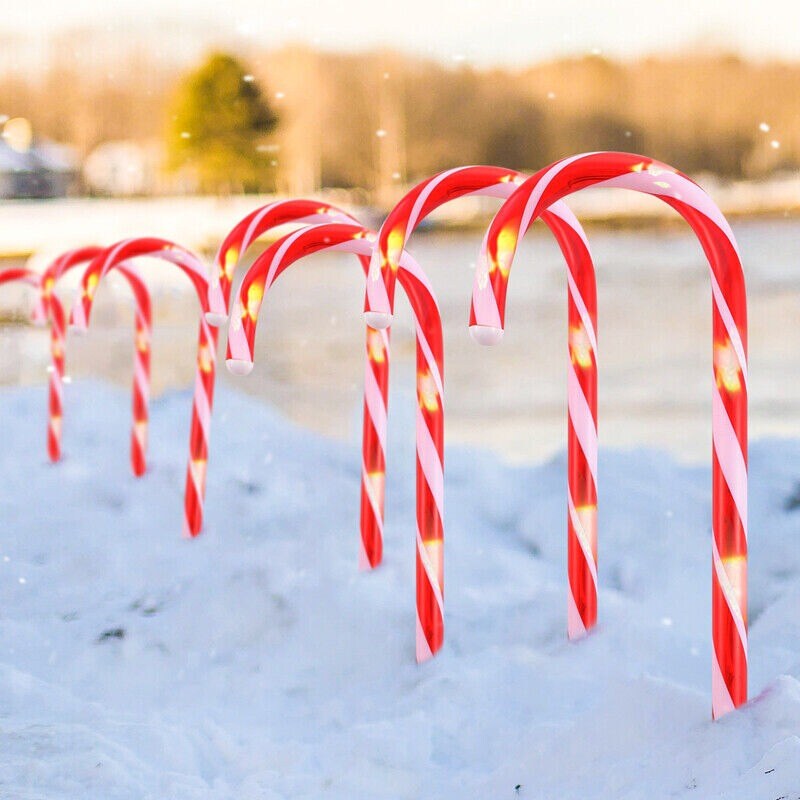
[[727, 368], [375, 348], [255, 294], [91, 285], [394, 247], [231, 259], [587, 516], [580, 348], [204, 360], [428, 392], [376, 487], [506, 245], [736, 569]]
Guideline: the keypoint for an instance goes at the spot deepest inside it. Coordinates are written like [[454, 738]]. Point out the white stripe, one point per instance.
[[55, 384], [730, 324], [141, 378], [203, 408], [429, 571], [729, 456], [721, 700], [430, 463], [541, 185], [207, 338], [280, 253], [730, 596], [374, 400], [423, 196], [430, 362], [194, 471], [582, 420], [563, 211], [583, 539], [667, 183], [112, 255], [410, 265], [250, 233], [181, 258], [422, 642], [575, 627], [374, 501], [583, 312]]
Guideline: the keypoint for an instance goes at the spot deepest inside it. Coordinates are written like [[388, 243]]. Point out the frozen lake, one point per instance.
[[654, 337]]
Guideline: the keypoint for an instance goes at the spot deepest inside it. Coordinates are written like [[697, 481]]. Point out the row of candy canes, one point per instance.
[[99, 262], [430, 393], [401, 222], [384, 260], [535, 197], [337, 230]]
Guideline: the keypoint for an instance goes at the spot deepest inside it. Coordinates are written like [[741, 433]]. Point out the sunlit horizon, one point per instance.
[[478, 33]]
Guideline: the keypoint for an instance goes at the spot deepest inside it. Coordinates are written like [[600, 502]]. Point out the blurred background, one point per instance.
[[176, 119]]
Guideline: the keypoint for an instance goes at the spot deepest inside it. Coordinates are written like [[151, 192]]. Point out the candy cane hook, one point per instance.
[[112, 258], [376, 366], [729, 420], [430, 393]]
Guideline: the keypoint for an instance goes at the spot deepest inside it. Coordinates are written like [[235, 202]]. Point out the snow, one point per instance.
[[257, 662]]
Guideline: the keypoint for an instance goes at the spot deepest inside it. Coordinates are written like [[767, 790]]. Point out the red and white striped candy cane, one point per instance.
[[57, 330], [376, 367], [430, 393], [112, 258], [729, 422], [142, 344], [403, 219], [247, 231]]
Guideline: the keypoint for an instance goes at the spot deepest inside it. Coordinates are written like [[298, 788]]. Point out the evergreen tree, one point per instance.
[[217, 128]]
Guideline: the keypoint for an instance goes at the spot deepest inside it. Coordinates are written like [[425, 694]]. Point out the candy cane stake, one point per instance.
[[57, 329], [112, 258], [430, 393], [403, 219], [729, 421], [141, 364], [376, 366]]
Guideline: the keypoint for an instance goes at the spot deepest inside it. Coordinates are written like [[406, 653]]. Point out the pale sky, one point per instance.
[[479, 31]]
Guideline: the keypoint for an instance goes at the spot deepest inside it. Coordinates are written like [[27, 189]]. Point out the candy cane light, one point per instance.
[[376, 368], [57, 330], [187, 262], [247, 231], [142, 344], [403, 219], [430, 415], [729, 420]]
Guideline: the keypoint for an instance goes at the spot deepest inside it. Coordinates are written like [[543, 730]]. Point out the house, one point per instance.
[[45, 169]]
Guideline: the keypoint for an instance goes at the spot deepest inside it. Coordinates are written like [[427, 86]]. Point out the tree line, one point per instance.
[[365, 120]]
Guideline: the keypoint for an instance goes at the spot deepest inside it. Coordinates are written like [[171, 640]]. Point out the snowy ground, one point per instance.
[[256, 662]]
